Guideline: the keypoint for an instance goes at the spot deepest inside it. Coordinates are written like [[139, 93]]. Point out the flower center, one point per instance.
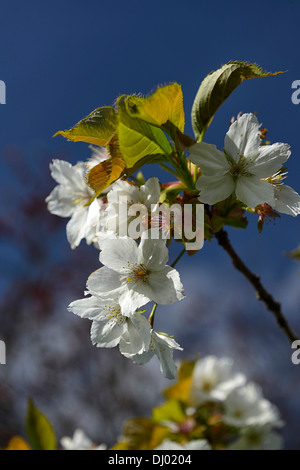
[[207, 385], [238, 414], [114, 314], [238, 169], [138, 274]]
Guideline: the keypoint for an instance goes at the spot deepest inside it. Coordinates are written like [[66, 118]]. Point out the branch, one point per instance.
[[262, 294]]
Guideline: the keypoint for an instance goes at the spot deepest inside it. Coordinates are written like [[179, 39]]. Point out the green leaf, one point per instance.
[[215, 89], [170, 410], [140, 140], [39, 430], [97, 128]]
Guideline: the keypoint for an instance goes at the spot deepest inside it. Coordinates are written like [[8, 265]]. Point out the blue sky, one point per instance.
[[62, 59]]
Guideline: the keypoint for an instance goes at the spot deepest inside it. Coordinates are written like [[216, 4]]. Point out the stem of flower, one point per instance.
[[178, 258], [262, 294], [151, 316]]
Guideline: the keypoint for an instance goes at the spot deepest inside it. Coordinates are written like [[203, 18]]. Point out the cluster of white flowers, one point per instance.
[[242, 403], [134, 272], [251, 171], [132, 275]]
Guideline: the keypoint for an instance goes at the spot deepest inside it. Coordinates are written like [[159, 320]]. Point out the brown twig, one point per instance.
[[262, 294]]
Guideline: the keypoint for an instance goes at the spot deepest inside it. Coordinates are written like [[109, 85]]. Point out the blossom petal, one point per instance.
[[287, 200], [164, 346], [104, 282], [130, 300], [150, 192], [92, 221], [215, 188], [123, 189], [119, 254], [137, 338], [166, 286], [60, 202], [64, 173], [107, 334], [76, 226], [89, 307], [143, 358], [153, 253], [243, 137], [269, 160], [252, 191], [208, 158]]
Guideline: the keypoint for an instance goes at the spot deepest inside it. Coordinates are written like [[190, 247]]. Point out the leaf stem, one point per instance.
[[167, 168]]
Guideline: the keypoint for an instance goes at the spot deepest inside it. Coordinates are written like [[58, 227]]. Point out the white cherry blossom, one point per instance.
[[245, 168], [70, 198], [213, 379], [163, 347], [246, 406], [125, 200], [137, 273], [258, 438], [110, 328]]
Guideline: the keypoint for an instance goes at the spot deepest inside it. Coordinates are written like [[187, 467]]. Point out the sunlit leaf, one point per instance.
[[107, 172], [97, 128], [104, 174], [181, 389], [170, 410], [165, 104], [39, 430], [185, 369], [215, 89]]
